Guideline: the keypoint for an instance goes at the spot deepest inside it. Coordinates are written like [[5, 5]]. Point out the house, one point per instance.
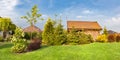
[[89, 27], [32, 29]]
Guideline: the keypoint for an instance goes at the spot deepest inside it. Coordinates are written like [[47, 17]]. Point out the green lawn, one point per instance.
[[94, 51]]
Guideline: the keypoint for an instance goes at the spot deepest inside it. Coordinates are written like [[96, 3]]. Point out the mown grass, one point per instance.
[[94, 51]]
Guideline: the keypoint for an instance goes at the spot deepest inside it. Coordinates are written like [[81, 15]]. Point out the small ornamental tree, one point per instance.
[[20, 44], [33, 16], [48, 32]]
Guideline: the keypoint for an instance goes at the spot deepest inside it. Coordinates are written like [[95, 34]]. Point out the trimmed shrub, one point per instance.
[[34, 44], [111, 37], [102, 38]]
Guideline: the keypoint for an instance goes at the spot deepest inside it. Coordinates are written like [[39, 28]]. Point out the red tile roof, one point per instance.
[[83, 25]]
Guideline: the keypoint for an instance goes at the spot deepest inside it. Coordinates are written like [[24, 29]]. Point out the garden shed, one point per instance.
[[88, 27]]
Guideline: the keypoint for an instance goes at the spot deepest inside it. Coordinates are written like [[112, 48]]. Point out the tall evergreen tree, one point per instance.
[[60, 36], [48, 32]]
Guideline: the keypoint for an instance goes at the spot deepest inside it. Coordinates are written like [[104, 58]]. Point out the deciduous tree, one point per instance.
[[6, 25], [33, 16]]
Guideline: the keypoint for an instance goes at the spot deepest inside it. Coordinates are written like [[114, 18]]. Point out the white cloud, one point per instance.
[[7, 7], [114, 23], [45, 17], [87, 12], [79, 16]]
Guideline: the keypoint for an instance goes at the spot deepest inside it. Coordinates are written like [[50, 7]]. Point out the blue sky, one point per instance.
[[105, 12]]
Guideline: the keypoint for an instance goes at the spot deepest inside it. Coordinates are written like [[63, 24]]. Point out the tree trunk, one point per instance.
[[4, 34], [31, 36]]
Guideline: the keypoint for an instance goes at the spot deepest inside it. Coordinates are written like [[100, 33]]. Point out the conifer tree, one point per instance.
[[48, 32], [105, 31], [60, 36]]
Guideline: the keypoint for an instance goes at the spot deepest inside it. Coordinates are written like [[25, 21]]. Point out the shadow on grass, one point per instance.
[[44, 46], [5, 45]]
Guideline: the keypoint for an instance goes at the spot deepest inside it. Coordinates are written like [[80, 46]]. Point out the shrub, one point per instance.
[[76, 38], [20, 44], [84, 38], [34, 44], [118, 38], [111, 37], [60, 39], [90, 38], [72, 39], [102, 38], [1, 39]]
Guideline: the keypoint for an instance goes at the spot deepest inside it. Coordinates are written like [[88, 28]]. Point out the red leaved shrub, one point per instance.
[[111, 38], [34, 44], [118, 38]]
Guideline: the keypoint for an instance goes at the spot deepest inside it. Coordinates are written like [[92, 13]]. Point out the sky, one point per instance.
[[105, 12]]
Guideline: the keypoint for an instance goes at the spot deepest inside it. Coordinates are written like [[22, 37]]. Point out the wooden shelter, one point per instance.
[[32, 29], [88, 27]]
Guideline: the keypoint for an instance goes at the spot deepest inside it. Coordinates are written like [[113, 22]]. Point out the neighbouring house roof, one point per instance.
[[83, 25], [32, 29], [111, 32]]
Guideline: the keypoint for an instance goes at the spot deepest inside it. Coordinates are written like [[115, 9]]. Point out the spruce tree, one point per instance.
[[60, 36], [48, 32]]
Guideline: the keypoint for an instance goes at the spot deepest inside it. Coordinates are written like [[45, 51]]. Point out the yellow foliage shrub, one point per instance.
[[102, 38]]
